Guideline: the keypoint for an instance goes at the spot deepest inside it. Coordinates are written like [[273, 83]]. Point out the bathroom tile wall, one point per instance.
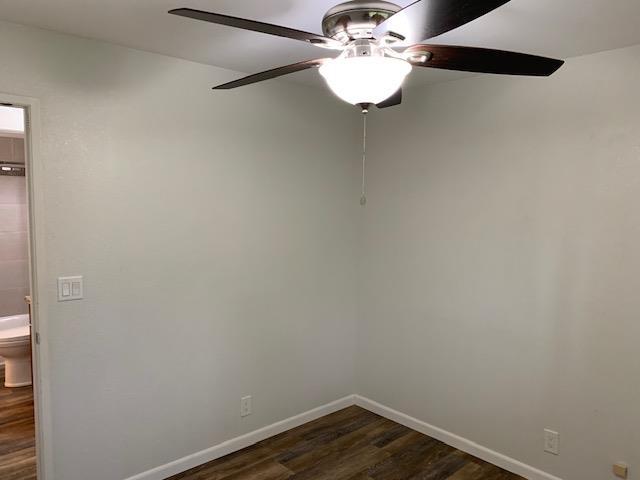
[[14, 265], [11, 149]]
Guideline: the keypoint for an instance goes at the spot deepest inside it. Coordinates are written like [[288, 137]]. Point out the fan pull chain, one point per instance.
[[363, 198]]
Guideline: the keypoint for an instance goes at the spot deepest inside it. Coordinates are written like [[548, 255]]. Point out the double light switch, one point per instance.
[[70, 288]]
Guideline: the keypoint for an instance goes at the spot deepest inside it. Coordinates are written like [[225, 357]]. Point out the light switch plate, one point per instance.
[[70, 288]]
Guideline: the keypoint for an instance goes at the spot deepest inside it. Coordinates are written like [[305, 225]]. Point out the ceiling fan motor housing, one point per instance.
[[356, 19]]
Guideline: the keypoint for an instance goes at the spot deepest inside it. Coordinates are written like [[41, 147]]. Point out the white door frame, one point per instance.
[[38, 280]]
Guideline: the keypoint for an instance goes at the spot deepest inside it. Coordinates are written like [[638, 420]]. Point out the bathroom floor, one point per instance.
[[17, 433]]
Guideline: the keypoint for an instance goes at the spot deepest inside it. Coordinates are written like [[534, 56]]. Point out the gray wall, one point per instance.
[[216, 236], [501, 265], [14, 252]]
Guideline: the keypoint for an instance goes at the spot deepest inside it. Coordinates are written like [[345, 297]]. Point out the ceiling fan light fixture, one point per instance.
[[365, 79], [369, 71]]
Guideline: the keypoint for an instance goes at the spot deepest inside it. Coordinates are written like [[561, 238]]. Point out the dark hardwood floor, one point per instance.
[[352, 444], [17, 433]]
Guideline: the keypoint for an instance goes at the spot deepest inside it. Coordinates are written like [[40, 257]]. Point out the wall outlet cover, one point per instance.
[[245, 406], [551, 442]]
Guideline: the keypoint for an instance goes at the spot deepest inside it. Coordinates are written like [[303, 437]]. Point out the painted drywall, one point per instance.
[[14, 251], [216, 235], [500, 268]]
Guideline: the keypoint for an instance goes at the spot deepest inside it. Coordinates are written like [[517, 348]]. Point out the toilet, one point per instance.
[[15, 349]]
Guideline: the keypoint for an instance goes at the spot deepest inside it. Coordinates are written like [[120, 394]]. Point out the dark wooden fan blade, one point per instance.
[[269, 74], [255, 26], [426, 19], [392, 101], [481, 60]]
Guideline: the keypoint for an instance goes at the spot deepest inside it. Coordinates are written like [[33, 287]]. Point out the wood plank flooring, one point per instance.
[[17, 433], [352, 444]]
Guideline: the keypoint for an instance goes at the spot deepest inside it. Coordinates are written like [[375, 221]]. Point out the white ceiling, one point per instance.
[[557, 28]]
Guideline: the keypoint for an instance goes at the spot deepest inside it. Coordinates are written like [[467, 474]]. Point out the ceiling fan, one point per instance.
[[380, 44]]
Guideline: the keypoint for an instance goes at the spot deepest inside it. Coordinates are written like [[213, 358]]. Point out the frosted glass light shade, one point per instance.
[[359, 80]]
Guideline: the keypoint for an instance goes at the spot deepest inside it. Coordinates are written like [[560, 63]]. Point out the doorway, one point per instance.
[[17, 411], [28, 108]]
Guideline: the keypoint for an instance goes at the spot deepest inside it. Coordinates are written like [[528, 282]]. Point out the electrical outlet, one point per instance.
[[551, 442], [245, 406]]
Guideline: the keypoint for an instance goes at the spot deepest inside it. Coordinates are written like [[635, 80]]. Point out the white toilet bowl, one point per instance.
[[15, 348]]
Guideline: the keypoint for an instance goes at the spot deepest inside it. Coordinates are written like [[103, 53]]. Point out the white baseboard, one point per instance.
[[243, 441], [467, 446]]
